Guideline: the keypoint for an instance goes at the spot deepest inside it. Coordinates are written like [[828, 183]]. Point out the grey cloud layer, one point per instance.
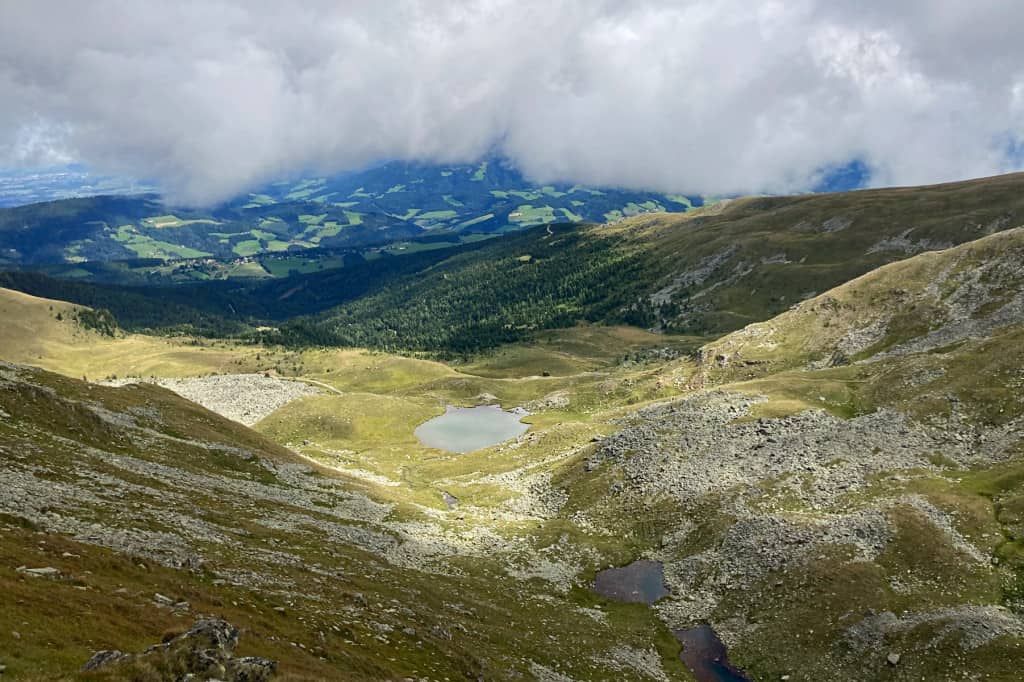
[[716, 96]]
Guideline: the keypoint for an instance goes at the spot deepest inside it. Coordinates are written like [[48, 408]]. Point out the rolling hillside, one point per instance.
[[148, 512], [151, 513], [394, 203], [937, 300], [845, 477], [706, 272]]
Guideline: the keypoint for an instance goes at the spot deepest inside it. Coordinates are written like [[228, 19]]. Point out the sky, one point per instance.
[[212, 99]]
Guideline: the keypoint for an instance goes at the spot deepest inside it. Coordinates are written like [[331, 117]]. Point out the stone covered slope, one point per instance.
[[205, 651], [855, 501], [244, 398], [818, 546]]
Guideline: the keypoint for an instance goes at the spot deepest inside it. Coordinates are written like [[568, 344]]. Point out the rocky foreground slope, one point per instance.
[[137, 509]]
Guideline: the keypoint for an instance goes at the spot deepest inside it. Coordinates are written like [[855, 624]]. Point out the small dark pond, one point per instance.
[[640, 582], [705, 656], [643, 582]]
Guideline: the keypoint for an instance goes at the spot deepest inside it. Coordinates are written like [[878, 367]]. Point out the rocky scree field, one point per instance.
[[846, 478]]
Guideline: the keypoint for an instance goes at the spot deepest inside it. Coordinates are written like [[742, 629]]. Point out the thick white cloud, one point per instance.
[[714, 96]]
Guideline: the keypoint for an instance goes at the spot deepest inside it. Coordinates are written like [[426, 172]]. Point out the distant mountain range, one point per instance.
[[21, 187], [387, 204]]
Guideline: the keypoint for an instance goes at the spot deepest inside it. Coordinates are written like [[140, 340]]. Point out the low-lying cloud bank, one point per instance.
[[718, 96]]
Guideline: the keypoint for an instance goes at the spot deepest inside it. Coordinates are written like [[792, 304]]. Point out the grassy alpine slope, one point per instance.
[[133, 492], [391, 533], [837, 489]]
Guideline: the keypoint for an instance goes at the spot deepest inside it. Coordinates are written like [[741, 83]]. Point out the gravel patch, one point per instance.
[[244, 398]]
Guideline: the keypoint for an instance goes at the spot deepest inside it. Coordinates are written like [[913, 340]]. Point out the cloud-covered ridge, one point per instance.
[[716, 97]]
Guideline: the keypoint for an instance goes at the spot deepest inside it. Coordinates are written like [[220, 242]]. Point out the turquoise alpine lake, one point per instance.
[[465, 429]]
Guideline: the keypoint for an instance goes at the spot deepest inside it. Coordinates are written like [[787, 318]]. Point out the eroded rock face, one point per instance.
[[205, 652]]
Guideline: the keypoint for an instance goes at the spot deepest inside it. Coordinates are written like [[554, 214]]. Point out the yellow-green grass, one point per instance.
[[806, 605], [440, 215], [633, 209], [250, 269], [32, 334], [982, 376], [474, 221], [164, 221], [564, 352], [416, 247], [383, 397], [112, 596], [574, 217], [370, 427], [146, 247], [584, 360], [309, 219], [368, 371], [305, 189], [247, 247], [281, 267], [529, 214], [257, 200], [112, 593], [904, 298], [526, 195], [263, 235]]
